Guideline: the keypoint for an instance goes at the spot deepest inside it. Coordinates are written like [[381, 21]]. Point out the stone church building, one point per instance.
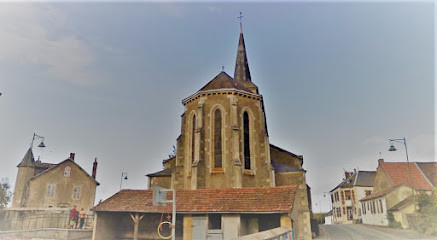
[[224, 152]]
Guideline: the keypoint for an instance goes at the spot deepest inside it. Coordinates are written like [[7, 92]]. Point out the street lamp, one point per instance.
[[392, 149], [41, 145], [123, 177]]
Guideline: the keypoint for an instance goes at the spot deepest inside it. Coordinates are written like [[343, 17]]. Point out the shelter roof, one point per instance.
[[398, 174], [222, 200], [429, 169]]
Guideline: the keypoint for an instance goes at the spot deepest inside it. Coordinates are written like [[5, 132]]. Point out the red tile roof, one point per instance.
[[398, 174], [224, 200], [430, 171]]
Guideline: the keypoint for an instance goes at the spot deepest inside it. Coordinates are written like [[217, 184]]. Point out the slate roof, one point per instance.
[[398, 174], [28, 159], [224, 81], [163, 173], [430, 171], [242, 72], [359, 179], [279, 167], [365, 178], [222, 200]]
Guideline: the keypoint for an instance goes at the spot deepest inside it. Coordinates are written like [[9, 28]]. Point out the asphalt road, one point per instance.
[[366, 232]]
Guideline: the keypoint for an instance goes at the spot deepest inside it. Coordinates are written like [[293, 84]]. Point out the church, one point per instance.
[[230, 181]]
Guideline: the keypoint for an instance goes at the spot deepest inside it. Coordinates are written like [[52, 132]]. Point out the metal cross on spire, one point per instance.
[[241, 23]]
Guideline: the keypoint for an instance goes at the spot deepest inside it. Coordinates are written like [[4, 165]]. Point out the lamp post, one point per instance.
[[392, 149], [41, 145], [123, 176]]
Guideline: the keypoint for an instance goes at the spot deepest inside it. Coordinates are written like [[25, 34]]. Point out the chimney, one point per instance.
[[94, 168], [72, 156], [348, 174], [380, 161]]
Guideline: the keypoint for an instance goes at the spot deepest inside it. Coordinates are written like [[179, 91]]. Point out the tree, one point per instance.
[[5, 194]]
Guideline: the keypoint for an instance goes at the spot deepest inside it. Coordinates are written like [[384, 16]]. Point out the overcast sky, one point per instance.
[[106, 80]]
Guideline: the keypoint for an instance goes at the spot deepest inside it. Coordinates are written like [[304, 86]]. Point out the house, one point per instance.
[[46, 185], [328, 218], [345, 197], [223, 148], [396, 184]]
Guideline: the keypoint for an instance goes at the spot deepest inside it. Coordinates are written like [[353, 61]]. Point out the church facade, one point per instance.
[[223, 150]]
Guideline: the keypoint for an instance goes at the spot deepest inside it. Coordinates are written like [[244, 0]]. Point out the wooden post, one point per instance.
[[136, 220]]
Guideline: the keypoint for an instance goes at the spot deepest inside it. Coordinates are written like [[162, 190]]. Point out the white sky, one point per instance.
[[106, 80]]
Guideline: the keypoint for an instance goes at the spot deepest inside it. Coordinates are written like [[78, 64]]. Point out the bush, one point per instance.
[[392, 222], [427, 213]]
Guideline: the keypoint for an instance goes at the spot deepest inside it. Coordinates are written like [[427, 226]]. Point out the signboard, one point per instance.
[[159, 196]]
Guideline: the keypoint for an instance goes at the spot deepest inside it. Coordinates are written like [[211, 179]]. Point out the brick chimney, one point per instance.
[[94, 168], [348, 174], [72, 156]]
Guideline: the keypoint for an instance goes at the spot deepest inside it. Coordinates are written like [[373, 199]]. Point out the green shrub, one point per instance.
[[392, 222]]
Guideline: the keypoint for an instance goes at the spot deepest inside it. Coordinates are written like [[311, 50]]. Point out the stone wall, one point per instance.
[[48, 234], [201, 173]]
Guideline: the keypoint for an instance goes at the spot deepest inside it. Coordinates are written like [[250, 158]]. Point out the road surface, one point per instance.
[[366, 232]]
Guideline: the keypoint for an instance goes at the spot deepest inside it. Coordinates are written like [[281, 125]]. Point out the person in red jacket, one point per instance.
[[73, 217]]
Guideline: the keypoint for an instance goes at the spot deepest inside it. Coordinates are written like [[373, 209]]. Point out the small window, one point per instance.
[[67, 171], [368, 192], [215, 221], [380, 205], [51, 188], [76, 192], [347, 194]]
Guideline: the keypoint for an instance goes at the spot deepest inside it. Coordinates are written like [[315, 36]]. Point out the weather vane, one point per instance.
[[241, 23]]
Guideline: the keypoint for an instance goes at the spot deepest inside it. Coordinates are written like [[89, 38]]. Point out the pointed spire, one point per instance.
[[242, 72], [28, 159]]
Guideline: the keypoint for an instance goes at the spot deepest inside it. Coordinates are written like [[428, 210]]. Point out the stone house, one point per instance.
[[45, 185], [224, 146], [393, 190], [345, 197]]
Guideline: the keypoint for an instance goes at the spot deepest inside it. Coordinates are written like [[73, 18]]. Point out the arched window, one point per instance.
[[67, 171], [246, 139], [193, 139], [218, 156]]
